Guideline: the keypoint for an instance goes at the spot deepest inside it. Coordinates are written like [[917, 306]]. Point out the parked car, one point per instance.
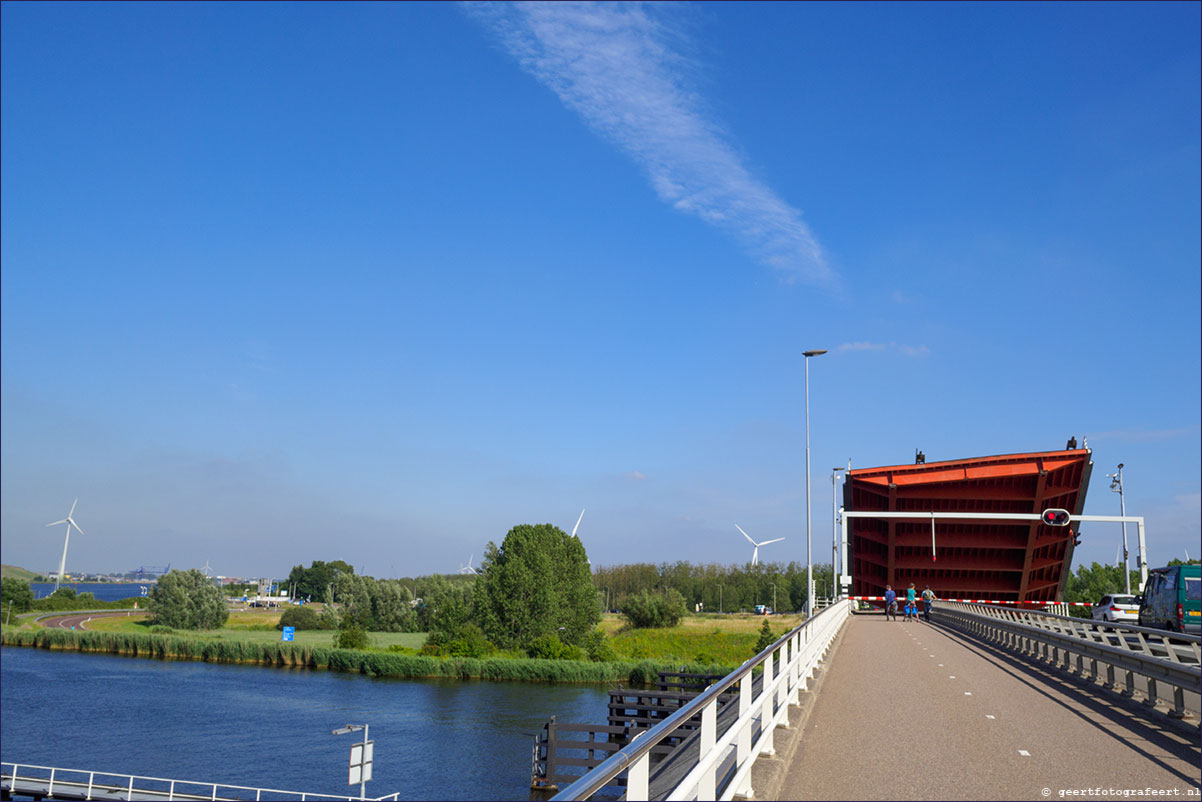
[[1117, 607], [1172, 598]]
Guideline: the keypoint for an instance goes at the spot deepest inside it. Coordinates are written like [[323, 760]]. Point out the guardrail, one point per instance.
[[1155, 657], [787, 667], [58, 783]]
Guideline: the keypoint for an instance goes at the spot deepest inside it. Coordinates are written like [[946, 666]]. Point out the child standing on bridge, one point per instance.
[[928, 598]]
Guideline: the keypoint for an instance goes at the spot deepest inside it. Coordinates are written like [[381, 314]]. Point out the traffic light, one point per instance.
[[1055, 517]]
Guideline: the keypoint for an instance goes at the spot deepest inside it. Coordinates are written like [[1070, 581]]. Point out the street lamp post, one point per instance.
[[774, 597], [835, 572], [365, 756], [809, 554], [1116, 485], [719, 597]]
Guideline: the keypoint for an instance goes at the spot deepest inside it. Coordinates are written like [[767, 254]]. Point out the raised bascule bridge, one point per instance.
[[998, 560], [998, 700]]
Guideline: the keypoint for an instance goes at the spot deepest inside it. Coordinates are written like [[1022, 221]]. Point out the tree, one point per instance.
[[17, 592], [1092, 583], [356, 595], [537, 583], [311, 582], [187, 600], [766, 638], [659, 609]]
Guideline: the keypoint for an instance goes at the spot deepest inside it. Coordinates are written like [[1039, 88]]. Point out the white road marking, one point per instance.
[[968, 693], [952, 677], [1024, 753], [988, 716]]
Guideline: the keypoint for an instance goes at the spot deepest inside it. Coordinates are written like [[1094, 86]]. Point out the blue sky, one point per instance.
[[377, 282]]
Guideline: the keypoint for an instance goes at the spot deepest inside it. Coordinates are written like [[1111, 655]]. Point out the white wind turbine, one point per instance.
[[207, 569], [755, 554], [577, 526], [70, 522], [467, 569]]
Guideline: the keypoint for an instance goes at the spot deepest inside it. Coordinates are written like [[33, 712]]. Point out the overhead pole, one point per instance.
[[809, 549]]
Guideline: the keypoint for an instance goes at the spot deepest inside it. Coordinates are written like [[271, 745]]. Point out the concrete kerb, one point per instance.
[[769, 771]]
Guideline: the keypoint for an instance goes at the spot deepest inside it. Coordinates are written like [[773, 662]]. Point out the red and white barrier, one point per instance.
[[977, 601]]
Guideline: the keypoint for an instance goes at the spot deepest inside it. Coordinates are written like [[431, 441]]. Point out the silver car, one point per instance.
[[1117, 607]]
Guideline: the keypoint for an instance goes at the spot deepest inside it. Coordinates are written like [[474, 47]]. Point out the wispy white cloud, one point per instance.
[[614, 64], [638, 476], [861, 347], [912, 351]]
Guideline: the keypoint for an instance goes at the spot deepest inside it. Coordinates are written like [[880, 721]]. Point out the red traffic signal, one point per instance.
[[1055, 517]]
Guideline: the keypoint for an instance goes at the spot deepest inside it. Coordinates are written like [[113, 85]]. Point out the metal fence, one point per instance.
[[1154, 660], [58, 783], [719, 766]]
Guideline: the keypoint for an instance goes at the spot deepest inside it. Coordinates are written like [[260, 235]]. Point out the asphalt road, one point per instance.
[[916, 711], [80, 620]]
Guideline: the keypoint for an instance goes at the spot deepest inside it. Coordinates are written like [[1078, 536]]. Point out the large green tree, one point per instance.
[[16, 592], [311, 583], [187, 600], [538, 582]]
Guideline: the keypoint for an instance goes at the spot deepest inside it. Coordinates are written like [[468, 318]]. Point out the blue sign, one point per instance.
[[288, 632]]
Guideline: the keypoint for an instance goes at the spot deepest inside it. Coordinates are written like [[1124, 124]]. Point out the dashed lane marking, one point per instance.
[[1024, 753]]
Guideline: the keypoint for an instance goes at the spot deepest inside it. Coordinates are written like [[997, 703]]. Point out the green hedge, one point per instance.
[[373, 664]]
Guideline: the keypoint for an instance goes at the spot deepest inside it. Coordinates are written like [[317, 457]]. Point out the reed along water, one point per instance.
[[270, 727]]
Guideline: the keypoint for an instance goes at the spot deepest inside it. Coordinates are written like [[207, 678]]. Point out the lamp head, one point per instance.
[[815, 352]]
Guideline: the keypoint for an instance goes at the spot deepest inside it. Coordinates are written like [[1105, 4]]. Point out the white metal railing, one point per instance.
[[1157, 658], [787, 667], [50, 781], [1178, 648]]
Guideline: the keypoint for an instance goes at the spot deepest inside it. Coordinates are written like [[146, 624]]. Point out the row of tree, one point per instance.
[[717, 588]]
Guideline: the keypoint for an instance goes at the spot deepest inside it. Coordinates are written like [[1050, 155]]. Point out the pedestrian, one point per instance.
[[890, 603], [928, 598]]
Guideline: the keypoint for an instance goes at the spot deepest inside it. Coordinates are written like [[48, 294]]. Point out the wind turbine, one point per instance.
[[467, 569], [206, 569], [755, 554], [577, 526], [70, 522]]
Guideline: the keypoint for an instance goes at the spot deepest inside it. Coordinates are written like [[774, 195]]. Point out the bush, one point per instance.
[[465, 640], [548, 647], [660, 609], [351, 637], [303, 617], [598, 647]]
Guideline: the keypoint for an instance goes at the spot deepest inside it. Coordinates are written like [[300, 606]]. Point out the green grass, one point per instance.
[[259, 628], [16, 572], [371, 663], [705, 644], [710, 638]]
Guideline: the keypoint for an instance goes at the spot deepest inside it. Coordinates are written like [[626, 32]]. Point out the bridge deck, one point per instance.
[[917, 711]]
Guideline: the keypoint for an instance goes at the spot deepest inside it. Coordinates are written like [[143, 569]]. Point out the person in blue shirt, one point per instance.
[[911, 603], [928, 598], [890, 603]]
